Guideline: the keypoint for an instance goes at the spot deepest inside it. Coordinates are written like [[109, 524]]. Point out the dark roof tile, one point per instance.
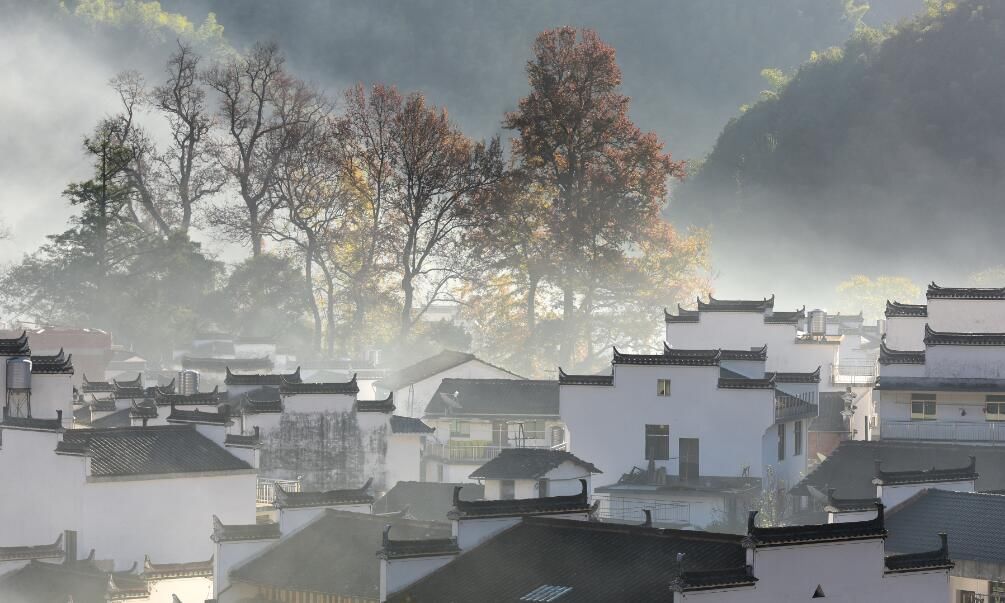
[[851, 467], [404, 425], [334, 554], [249, 531], [966, 472], [567, 379], [937, 292], [430, 501], [274, 380], [897, 309], [348, 388], [891, 356], [549, 505], [972, 521], [225, 364], [592, 562], [298, 500], [151, 450], [933, 337], [59, 364], [528, 463]]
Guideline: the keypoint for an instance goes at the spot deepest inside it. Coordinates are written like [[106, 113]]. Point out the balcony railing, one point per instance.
[[942, 431], [460, 451], [854, 373], [630, 509], [267, 489]]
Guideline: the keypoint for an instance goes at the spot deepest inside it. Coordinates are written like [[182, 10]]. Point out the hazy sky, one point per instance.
[[688, 67]]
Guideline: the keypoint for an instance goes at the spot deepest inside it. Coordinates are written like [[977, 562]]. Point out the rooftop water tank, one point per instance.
[[818, 322], [188, 382], [19, 374]]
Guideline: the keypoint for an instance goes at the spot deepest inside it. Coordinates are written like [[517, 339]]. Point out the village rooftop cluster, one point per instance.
[[765, 454]]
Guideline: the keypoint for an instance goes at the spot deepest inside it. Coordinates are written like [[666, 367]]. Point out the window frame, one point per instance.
[[455, 430], [663, 388], [998, 403], [927, 402], [507, 489], [657, 439], [797, 438]]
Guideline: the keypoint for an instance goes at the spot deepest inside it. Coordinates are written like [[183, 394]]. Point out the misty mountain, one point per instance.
[[885, 157], [688, 66]]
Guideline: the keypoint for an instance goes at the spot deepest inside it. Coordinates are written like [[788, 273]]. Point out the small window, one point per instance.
[[460, 428], [994, 408], [507, 489], [542, 488], [657, 442], [781, 442], [968, 596], [797, 438], [922, 407], [533, 430], [662, 387]]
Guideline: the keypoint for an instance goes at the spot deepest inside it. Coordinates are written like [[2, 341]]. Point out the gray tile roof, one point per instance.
[[595, 561], [482, 397], [428, 501], [973, 522], [80, 581], [154, 450], [851, 468], [274, 380], [334, 554], [298, 500], [528, 463], [401, 424]]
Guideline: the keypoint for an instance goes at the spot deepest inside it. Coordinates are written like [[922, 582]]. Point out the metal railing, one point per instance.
[[854, 373], [459, 451], [942, 431], [267, 489], [630, 509]]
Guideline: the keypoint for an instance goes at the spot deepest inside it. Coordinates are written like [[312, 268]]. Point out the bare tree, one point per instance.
[[309, 186], [262, 110], [439, 175], [367, 159], [187, 164]]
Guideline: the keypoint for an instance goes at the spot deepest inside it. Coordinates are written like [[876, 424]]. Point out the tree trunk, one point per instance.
[[531, 304], [567, 352], [406, 310], [312, 301], [330, 340]]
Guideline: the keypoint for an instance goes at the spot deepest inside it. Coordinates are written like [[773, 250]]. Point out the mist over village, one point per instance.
[[451, 301]]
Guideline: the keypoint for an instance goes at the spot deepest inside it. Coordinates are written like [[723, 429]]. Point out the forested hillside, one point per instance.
[[885, 145]]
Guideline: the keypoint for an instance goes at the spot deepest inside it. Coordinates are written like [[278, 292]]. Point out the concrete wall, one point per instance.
[[194, 589], [965, 361], [52, 392], [967, 315], [126, 519], [906, 333]]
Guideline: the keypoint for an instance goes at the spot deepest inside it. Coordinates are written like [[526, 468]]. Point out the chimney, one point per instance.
[[70, 544]]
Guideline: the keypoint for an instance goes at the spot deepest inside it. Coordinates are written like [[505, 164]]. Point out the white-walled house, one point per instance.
[[413, 386], [690, 435], [947, 381], [534, 473], [745, 324], [109, 485], [477, 419], [550, 558]]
